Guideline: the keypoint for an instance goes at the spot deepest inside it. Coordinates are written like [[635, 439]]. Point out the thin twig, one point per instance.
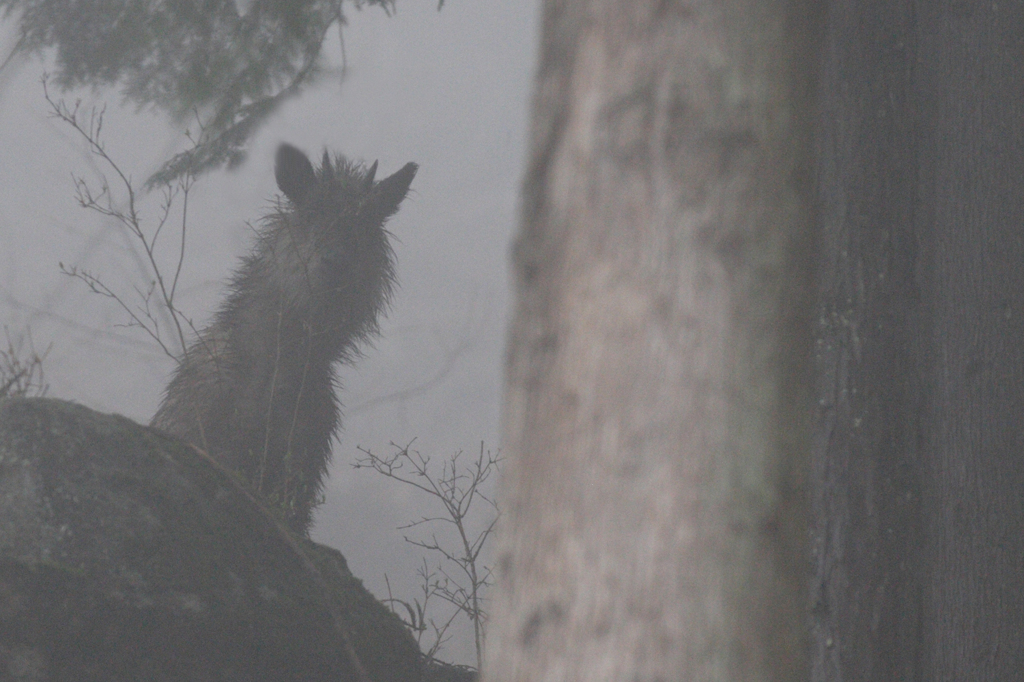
[[130, 219], [456, 488]]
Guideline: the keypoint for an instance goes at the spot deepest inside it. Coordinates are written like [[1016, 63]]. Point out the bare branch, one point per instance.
[[21, 370], [456, 488], [90, 128]]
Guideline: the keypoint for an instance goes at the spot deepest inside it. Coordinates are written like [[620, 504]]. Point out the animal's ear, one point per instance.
[[294, 173], [391, 190]]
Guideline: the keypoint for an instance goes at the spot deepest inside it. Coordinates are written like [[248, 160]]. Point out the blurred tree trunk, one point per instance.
[[919, 473], [657, 403]]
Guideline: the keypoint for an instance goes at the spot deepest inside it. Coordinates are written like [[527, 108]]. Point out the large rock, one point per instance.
[[128, 555]]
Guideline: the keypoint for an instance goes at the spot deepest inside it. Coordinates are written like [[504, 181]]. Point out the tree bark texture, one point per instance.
[[657, 396], [919, 473]]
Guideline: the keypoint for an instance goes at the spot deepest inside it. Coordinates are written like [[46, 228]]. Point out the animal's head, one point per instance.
[[340, 195], [334, 223]]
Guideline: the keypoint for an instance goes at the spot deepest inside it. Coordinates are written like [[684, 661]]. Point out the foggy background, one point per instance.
[[448, 90]]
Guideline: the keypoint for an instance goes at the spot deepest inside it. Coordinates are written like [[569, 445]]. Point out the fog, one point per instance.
[[448, 90]]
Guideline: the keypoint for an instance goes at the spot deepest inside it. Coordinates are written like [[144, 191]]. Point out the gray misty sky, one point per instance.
[[449, 90]]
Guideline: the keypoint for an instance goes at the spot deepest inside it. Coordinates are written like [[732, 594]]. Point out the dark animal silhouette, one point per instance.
[[256, 390]]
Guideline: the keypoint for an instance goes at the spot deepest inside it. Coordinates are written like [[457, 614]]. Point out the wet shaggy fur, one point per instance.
[[256, 390]]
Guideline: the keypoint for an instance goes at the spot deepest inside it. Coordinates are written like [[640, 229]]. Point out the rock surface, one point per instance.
[[128, 555]]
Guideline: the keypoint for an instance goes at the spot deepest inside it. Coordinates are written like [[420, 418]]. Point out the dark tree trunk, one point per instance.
[[919, 460], [656, 406]]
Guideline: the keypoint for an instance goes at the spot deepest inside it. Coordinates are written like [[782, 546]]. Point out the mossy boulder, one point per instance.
[[129, 555]]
